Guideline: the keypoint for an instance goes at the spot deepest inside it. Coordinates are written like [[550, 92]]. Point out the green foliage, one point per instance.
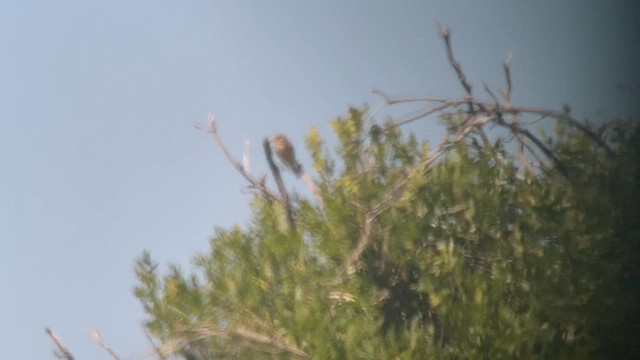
[[471, 260]]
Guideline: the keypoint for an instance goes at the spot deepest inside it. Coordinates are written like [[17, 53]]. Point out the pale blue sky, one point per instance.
[[99, 158]]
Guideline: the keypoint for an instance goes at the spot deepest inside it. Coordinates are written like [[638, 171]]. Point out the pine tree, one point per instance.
[[511, 246], [465, 260]]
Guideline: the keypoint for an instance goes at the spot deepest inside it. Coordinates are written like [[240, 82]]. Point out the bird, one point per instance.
[[286, 153]]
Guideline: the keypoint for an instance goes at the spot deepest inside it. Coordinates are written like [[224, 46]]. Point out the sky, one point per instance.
[[100, 160]]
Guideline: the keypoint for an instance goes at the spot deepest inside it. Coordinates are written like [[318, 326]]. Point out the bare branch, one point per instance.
[[95, 335], [276, 175], [548, 152], [491, 94], [423, 114], [62, 353], [507, 74], [523, 159], [392, 100], [541, 163], [559, 115], [245, 156], [156, 349], [253, 182], [342, 297], [365, 239], [181, 338], [445, 32], [274, 342], [498, 110], [307, 180], [446, 36]]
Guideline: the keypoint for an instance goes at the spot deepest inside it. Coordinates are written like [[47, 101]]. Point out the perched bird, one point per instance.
[[286, 153]]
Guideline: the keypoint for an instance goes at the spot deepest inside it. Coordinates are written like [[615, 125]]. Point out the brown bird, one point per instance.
[[286, 153]]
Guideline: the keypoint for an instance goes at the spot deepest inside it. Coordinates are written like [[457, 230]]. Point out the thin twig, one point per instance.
[[480, 113], [507, 74], [155, 347], [511, 110], [365, 239], [95, 335], [276, 175], [445, 32], [311, 186], [446, 36], [254, 183], [491, 94], [392, 100], [62, 353], [423, 114], [275, 342], [272, 343], [541, 163], [523, 159], [540, 145]]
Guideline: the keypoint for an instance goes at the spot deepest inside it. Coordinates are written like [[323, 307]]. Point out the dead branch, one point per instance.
[[559, 115], [155, 347], [95, 335], [534, 153], [517, 130], [276, 175], [523, 158], [307, 180], [446, 36], [480, 113], [497, 112], [506, 65], [253, 182], [62, 353], [389, 100], [365, 239], [491, 94], [425, 113], [342, 297], [445, 33], [497, 109], [183, 337], [273, 342]]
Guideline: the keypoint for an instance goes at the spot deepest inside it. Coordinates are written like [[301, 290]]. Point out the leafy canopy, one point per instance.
[[467, 258]]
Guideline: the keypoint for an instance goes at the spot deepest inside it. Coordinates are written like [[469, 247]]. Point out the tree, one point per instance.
[[502, 246]]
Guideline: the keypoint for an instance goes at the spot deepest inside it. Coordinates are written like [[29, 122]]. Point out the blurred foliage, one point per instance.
[[473, 260]]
